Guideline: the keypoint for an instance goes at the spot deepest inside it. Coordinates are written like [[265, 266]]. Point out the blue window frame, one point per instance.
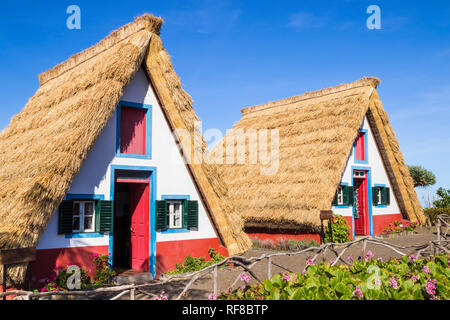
[[366, 149], [73, 196], [175, 197], [148, 133]]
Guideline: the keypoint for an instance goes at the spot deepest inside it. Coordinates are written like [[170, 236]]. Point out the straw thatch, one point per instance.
[[45, 145], [316, 133]]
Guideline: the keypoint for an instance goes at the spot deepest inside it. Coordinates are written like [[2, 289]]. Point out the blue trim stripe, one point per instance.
[[175, 231], [175, 197], [75, 196], [148, 126], [85, 235], [153, 180]]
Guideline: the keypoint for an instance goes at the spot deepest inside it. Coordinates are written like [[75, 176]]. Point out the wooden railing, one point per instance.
[[440, 245]]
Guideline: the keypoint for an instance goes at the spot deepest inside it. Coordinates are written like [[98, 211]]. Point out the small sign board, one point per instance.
[[325, 214], [16, 256]]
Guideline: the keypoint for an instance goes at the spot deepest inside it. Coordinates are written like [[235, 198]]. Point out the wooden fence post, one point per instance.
[[215, 280], [132, 292], [269, 268]]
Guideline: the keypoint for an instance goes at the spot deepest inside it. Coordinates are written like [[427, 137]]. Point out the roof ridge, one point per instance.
[[143, 22], [366, 81]]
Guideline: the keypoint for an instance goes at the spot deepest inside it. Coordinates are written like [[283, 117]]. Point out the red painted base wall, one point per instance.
[[382, 221], [169, 253], [275, 237], [379, 222], [50, 261]]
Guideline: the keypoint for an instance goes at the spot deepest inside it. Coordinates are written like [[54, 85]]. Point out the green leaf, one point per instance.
[[296, 295], [268, 286]]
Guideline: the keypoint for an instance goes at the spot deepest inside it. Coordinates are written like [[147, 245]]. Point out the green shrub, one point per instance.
[[399, 226], [103, 275], [192, 264], [58, 282], [366, 279], [341, 230], [432, 213], [103, 272]]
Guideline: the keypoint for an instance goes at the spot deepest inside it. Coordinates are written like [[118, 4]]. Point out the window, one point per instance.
[[132, 130], [343, 196], [83, 216], [175, 214], [359, 174], [361, 147], [381, 196], [340, 196]]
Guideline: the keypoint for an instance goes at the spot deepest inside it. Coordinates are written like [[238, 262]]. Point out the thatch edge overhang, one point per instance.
[[394, 163], [363, 82], [173, 101], [64, 82], [145, 22], [364, 88]]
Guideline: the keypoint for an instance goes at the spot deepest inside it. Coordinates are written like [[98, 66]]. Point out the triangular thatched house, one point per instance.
[[329, 149], [91, 165]]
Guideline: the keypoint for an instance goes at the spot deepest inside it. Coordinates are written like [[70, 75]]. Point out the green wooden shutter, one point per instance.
[[184, 220], [65, 222], [385, 196], [192, 215], [349, 191], [106, 216], [375, 191], [161, 215], [344, 195]]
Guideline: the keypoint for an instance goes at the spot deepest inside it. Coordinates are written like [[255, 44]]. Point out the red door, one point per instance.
[[139, 209], [361, 202]]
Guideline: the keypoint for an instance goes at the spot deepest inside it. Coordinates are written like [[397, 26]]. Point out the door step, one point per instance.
[[133, 277]]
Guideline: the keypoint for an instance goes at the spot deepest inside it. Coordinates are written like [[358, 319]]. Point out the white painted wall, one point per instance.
[[94, 176], [378, 172]]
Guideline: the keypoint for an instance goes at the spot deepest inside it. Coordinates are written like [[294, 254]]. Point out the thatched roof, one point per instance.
[[45, 145], [316, 133]]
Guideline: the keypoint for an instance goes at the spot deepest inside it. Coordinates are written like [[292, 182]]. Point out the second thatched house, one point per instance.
[[95, 164], [331, 149]]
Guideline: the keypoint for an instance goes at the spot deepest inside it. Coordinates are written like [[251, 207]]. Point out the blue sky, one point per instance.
[[232, 54]]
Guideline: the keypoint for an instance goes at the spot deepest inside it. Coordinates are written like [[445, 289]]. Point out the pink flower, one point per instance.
[[286, 277], [95, 255], [369, 255], [426, 269], [309, 262], [244, 277], [431, 287], [412, 258], [350, 258], [393, 283], [162, 296], [378, 282], [212, 296], [358, 293], [414, 279]]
